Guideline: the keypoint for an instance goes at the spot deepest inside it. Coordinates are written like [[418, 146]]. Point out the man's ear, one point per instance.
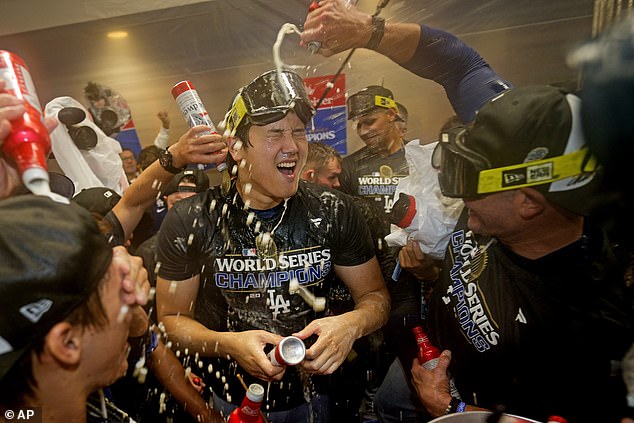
[[308, 174], [392, 115], [63, 343], [236, 148], [532, 203]]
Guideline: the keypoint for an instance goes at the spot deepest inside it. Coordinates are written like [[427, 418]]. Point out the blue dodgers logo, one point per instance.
[[469, 261], [248, 273]]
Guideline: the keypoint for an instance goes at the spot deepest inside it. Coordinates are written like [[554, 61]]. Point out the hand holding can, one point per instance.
[[289, 352]]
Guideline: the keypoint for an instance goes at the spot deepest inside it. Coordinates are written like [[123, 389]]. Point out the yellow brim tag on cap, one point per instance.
[[384, 102], [536, 173]]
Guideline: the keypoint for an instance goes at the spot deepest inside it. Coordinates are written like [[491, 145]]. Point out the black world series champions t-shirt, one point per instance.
[[368, 175], [536, 336], [212, 235]]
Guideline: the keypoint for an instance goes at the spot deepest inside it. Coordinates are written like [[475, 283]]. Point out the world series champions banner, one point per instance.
[[329, 124]]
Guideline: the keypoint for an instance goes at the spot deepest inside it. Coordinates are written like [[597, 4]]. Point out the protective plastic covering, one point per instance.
[[98, 167], [435, 215]]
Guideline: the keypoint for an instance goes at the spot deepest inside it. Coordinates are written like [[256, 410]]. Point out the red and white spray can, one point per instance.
[[28, 145], [249, 410], [195, 113], [289, 352], [428, 355]]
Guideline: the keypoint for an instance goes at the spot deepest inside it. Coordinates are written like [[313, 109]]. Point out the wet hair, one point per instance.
[[319, 154]]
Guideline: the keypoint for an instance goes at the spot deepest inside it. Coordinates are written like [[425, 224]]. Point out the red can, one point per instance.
[[28, 144]]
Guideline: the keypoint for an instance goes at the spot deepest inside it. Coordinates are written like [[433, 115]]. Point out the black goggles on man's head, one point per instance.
[[363, 103], [465, 173], [268, 98], [458, 167]]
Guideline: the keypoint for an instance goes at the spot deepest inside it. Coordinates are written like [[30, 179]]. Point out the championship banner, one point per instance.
[[329, 124]]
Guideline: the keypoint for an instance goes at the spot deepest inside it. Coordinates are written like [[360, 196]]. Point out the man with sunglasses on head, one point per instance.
[[232, 263]]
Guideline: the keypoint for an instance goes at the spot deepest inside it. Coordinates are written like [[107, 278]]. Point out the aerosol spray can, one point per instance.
[[249, 410], [28, 144], [194, 112], [289, 352], [428, 356]]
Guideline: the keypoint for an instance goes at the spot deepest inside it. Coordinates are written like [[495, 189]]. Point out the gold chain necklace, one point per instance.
[[264, 242]]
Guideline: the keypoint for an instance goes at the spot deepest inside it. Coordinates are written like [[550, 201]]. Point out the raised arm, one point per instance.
[[431, 53], [192, 147]]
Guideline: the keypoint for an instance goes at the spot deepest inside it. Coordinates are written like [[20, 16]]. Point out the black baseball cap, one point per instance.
[[369, 99], [196, 176], [527, 136], [52, 258], [97, 199]]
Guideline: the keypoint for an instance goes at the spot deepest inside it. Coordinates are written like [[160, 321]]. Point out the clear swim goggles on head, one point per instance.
[[464, 173], [268, 98]]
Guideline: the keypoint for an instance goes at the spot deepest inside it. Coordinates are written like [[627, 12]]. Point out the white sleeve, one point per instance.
[[162, 138]]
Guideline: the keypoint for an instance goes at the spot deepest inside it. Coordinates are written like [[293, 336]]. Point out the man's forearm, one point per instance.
[[190, 334], [371, 312]]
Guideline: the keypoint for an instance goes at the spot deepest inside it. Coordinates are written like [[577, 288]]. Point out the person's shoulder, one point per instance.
[[204, 199], [319, 197], [359, 155], [308, 189]]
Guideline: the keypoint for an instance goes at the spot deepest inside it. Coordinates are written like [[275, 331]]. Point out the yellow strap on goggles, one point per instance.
[[237, 113], [537, 172]]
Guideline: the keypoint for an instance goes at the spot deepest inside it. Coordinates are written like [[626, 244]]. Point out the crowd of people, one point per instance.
[[531, 305]]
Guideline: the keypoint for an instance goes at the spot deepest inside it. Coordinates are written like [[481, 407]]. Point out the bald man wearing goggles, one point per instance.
[[228, 261]]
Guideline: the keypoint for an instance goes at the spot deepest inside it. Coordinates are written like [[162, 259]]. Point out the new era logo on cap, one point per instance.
[[34, 311]]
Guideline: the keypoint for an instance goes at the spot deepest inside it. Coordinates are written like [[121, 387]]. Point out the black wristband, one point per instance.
[[378, 29]]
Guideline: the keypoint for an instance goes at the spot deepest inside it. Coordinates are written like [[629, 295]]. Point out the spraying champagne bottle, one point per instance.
[[194, 112], [28, 144]]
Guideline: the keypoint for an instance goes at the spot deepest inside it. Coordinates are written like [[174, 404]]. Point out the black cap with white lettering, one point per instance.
[[52, 257]]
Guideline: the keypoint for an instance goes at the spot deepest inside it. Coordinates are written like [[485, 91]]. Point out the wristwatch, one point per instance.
[[378, 29], [165, 160]]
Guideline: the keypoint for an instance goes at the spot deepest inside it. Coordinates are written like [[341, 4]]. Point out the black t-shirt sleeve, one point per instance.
[[353, 242], [175, 245]]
